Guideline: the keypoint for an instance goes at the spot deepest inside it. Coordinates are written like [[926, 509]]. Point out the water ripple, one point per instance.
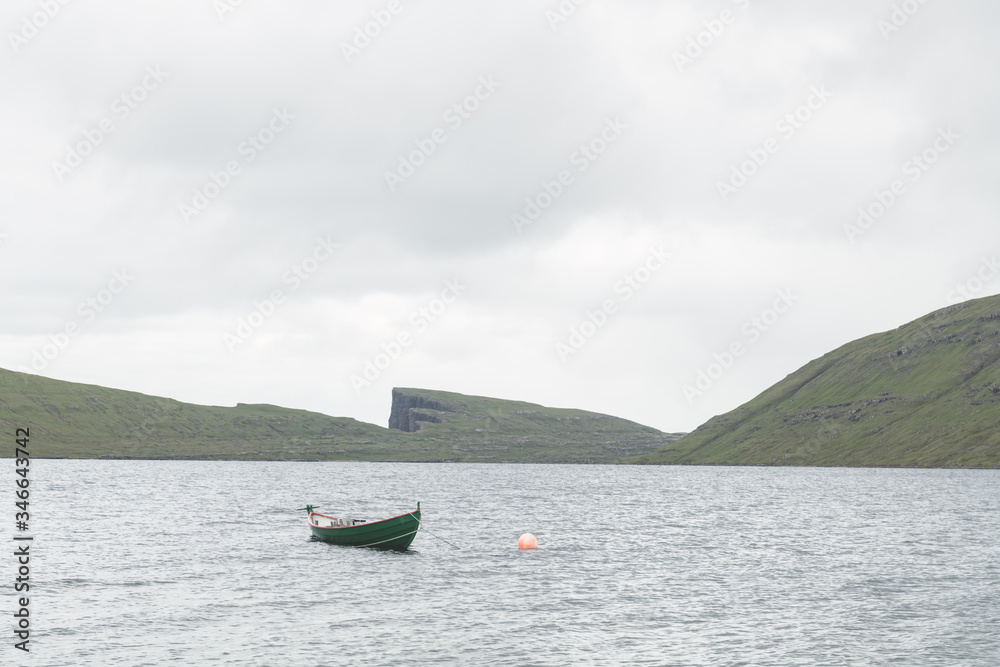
[[208, 563]]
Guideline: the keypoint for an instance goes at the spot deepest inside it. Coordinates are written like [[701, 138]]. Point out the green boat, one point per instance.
[[393, 533]]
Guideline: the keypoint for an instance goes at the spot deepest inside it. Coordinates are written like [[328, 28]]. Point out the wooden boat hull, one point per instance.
[[393, 533]]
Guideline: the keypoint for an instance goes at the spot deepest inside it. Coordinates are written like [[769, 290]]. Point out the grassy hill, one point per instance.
[[74, 420], [490, 429], [925, 394]]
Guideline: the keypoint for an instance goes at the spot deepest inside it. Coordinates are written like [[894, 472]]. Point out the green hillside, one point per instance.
[[74, 420], [490, 429], [925, 394]]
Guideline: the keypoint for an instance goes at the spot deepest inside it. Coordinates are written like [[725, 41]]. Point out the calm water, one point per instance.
[[153, 563]]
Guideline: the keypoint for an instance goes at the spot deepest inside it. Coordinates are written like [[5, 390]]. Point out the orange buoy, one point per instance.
[[527, 541]]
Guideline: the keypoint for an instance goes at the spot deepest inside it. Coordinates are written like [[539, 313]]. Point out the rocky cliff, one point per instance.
[[460, 427], [409, 409]]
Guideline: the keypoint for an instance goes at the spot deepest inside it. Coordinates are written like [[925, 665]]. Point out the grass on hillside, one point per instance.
[[925, 394]]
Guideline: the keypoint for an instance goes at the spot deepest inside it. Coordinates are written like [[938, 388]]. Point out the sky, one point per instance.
[[654, 210]]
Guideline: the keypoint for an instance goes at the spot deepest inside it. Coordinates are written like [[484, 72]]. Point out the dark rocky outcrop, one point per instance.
[[408, 410]]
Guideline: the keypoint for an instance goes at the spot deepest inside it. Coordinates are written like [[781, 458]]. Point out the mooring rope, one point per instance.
[[440, 538]]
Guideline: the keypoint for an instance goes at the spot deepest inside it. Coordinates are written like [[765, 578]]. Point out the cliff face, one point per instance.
[[408, 410], [462, 427]]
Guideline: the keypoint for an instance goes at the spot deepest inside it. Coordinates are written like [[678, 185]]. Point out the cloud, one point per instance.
[[498, 149]]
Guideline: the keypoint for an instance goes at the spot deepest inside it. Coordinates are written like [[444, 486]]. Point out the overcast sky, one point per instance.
[[647, 209]]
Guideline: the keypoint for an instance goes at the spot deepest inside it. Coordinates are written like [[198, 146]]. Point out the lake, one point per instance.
[[191, 563]]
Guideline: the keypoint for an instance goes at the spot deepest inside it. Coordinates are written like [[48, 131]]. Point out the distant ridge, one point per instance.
[[925, 395], [73, 420], [515, 430]]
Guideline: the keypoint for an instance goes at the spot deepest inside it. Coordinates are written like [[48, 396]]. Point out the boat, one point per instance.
[[393, 533]]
